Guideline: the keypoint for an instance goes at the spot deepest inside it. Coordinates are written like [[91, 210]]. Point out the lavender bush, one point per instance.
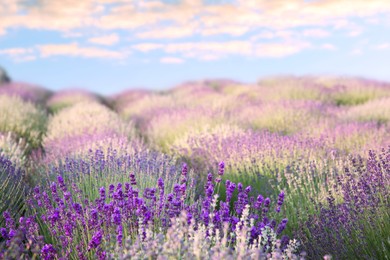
[[70, 220], [67, 98], [26, 92], [23, 119], [12, 189], [102, 190], [14, 149], [359, 225]]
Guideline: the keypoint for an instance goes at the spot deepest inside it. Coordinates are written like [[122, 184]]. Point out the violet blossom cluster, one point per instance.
[[123, 211], [343, 229]]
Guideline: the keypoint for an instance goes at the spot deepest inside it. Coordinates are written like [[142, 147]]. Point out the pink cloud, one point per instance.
[[110, 39]]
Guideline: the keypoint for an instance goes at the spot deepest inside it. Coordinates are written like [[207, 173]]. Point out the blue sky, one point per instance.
[[111, 45]]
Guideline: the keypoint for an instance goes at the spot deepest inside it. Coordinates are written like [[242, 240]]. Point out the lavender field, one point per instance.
[[285, 168]]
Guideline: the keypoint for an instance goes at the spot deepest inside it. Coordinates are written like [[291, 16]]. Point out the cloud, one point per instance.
[[19, 54], [356, 52], [167, 32], [355, 32], [278, 50], [204, 30], [315, 33], [383, 46], [73, 49], [110, 39], [328, 46], [235, 18], [216, 50], [146, 47], [200, 49], [14, 52], [171, 60]]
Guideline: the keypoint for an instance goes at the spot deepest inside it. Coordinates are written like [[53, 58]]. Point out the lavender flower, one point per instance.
[[48, 252]]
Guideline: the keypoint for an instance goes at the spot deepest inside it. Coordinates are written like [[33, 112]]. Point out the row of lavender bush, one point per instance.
[[289, 134]]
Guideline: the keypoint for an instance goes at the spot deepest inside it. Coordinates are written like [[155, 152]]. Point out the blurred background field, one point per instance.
[[293, 134]]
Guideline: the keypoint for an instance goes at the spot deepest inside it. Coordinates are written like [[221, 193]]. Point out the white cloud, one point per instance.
[[110, 39], [356, 52], [16, 51], [19, 54], [73, 49], [315, 33], [167, 33], [355, 32], [146, 47], [278, 50], [171, 60], [216, 50], [383, 46], [328, 46]]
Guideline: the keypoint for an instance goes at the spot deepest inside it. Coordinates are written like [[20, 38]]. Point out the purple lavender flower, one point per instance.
[[116, 217], [221, 168], [9, 222], [132, 179], [4, 233], [119, 237], [48, 252], [184, 170], [102, 193], [53, 188], [239, 187], [282, 226], [209, 177], [96, 240]]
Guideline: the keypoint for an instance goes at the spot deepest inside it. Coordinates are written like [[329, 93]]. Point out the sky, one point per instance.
[[108, 46]]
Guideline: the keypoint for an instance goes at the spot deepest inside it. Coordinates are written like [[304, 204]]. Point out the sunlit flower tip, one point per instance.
[[239, 187], [209, 177], [248, 189]]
